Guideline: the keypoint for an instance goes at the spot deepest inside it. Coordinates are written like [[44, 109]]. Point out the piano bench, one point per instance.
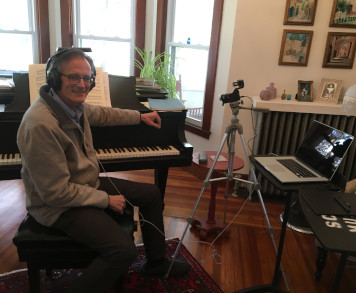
[[49, 248]]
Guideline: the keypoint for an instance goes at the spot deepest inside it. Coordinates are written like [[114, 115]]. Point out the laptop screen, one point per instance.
[[323, 148]]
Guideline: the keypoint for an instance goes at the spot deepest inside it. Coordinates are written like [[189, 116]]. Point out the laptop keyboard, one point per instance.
[[296, 168]]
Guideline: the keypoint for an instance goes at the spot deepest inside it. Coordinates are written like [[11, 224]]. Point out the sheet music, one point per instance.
[[97, 96], [106, 89], [37, 78]]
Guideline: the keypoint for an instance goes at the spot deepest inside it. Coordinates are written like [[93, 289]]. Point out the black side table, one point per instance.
[[288, 189], [335, 233]]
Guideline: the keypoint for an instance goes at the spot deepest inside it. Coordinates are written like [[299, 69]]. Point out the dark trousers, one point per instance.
[[96, 228]]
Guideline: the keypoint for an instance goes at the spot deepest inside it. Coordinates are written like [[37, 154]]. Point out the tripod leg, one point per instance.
[[205, 184], [270, 229], [230, 168]]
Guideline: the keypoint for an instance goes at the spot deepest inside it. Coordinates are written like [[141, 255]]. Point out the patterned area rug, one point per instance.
[[197, 280]]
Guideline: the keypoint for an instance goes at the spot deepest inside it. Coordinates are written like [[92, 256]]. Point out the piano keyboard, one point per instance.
[[108, 154], [134, 152], [10, 159]]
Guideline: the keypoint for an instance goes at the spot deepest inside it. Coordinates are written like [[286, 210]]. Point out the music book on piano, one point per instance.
[[166, 104]]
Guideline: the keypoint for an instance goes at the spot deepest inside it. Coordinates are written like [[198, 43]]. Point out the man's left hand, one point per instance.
[[151, 119]]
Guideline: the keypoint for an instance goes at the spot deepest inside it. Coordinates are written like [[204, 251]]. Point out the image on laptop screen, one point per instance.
[[323, 148]]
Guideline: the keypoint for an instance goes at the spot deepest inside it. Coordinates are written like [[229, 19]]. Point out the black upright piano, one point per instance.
[[119, 148]]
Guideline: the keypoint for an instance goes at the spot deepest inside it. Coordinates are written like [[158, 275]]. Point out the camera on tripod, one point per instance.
[[235, 95]]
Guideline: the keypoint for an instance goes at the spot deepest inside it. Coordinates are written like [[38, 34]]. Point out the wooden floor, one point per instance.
[[244, 259]]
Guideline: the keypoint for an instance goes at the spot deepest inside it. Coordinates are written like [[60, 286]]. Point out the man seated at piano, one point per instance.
[[60, 172]]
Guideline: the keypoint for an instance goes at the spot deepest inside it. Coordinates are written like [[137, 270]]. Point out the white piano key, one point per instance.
[[10, 159], [17, 159], [133, 152]]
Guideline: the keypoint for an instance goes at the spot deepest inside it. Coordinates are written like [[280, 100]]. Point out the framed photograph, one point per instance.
[[339, 50], [329, 91], [342, 14], [300, 12], [305, 91], [295, 47]]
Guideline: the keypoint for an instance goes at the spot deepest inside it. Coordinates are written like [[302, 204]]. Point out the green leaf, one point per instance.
[[158, 68]]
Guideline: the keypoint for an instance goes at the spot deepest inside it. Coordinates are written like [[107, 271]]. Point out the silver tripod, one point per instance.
[[229, 137]]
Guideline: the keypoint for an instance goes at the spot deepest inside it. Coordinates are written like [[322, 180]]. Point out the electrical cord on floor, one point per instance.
[[214, 255]]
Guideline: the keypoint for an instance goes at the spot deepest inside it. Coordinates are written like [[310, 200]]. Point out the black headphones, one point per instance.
[[53, 77]]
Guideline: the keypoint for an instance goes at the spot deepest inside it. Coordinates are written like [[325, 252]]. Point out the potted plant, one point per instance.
[[157, 68]]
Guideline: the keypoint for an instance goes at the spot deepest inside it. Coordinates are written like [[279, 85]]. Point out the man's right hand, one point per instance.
[[117, 203]]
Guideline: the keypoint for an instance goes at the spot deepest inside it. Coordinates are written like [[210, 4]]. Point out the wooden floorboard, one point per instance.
[[245, 258]]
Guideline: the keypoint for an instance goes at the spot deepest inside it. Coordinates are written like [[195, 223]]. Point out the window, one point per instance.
[[192, 38], [188, 40], [107, 27], [17, 31], [165, 24]]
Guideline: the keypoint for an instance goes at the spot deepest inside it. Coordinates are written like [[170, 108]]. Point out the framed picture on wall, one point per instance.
[[329, 91], [300, 12], [342, 14], [339, 50], [295, 47], [305, 91]]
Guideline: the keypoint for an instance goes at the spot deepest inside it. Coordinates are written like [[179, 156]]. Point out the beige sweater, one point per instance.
[[59, 165]]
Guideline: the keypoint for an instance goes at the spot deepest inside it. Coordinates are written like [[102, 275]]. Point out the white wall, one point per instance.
[[257, 36], [257, 42]]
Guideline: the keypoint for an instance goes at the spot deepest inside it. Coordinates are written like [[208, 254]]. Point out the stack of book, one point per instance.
[[147, 89], [165, 105]]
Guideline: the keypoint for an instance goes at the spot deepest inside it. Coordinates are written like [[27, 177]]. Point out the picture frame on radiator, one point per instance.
[[305, 91], [329, 91]]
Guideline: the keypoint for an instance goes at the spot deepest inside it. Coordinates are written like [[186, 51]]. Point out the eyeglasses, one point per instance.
[[76, 78]]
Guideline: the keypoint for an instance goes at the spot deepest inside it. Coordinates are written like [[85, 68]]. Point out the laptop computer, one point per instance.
[[317, 158]]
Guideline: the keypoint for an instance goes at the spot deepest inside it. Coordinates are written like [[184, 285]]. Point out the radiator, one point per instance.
[[281, 133]]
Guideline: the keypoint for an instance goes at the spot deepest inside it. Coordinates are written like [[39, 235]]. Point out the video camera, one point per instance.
[[235, 95]]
